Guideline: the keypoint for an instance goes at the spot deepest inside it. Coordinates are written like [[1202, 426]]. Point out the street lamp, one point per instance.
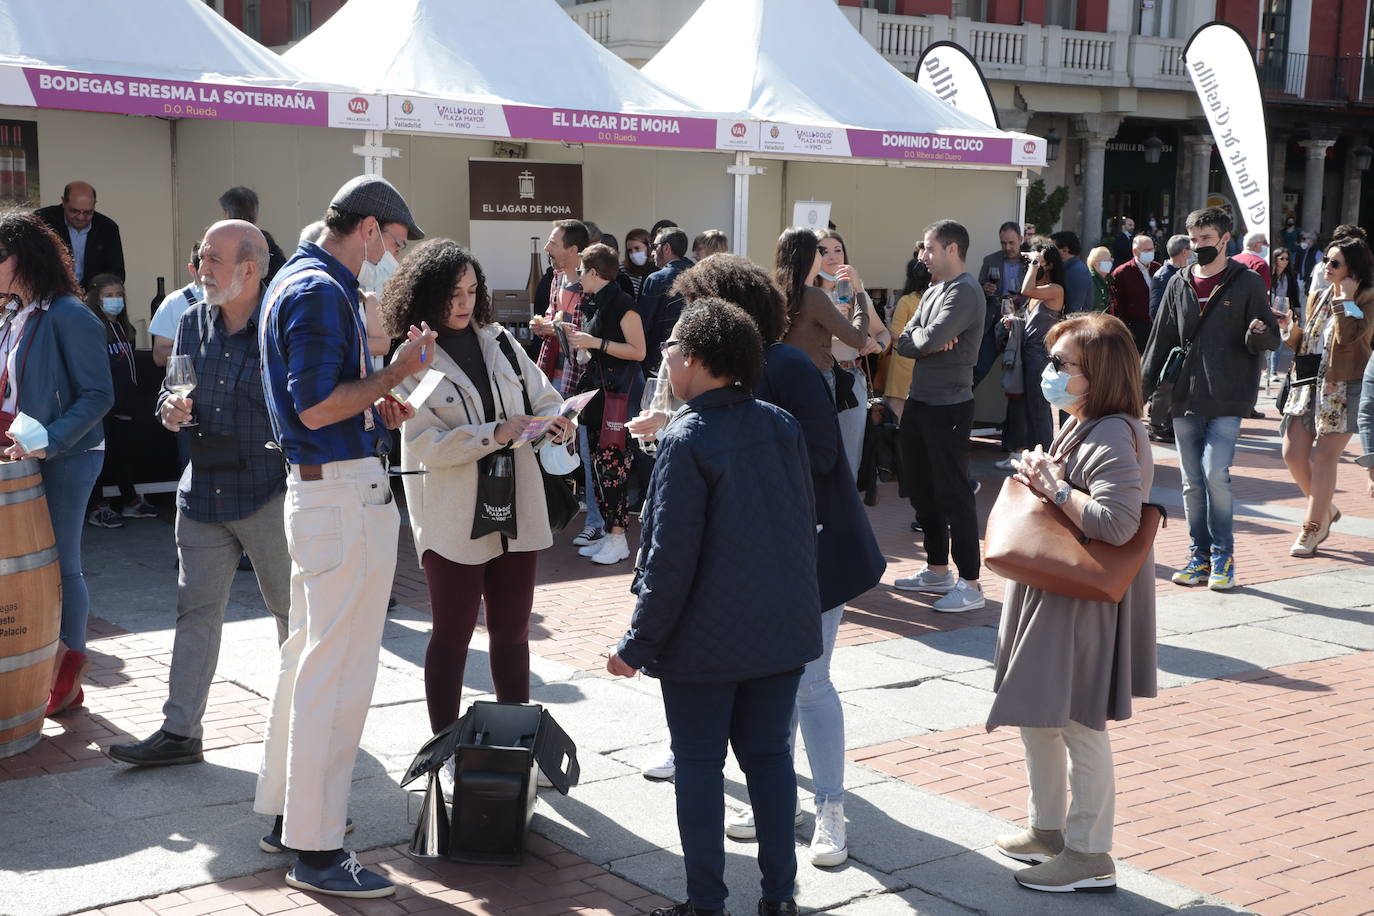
[[1052, 146], [1363, 155], [1153, 147]]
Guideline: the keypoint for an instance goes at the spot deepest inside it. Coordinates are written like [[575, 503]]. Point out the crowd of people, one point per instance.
[[309, 390]]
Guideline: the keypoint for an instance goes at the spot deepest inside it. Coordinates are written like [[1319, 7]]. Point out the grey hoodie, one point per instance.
[[951, 310]]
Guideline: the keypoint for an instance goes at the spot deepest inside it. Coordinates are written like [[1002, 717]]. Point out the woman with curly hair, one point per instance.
[[53, 370], [478, 409], [725, 619]]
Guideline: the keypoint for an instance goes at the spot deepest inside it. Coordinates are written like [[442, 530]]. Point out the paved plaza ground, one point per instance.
[[1244, 787]]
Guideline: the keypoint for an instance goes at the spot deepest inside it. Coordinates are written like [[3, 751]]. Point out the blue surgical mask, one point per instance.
[[1146, 257], [829, 278], [1055, 387], [112, 305]]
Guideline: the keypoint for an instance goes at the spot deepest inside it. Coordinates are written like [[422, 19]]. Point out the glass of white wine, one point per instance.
[[181, 380]]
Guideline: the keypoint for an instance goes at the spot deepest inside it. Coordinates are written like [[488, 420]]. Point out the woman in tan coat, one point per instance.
[[1320, 417], [477, 410], [1066, 666]]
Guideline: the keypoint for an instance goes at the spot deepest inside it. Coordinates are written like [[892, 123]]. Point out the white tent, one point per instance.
[[822, 90]]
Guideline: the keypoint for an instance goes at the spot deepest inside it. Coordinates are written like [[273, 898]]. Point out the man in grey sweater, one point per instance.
[[943, 337]]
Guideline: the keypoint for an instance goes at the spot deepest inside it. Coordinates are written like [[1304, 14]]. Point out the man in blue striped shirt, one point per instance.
[[329, 415]]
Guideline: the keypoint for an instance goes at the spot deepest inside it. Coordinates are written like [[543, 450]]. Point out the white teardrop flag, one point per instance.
[[950, 72]]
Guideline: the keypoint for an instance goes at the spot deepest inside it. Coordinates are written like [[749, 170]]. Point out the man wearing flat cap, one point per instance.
[[329, 418]]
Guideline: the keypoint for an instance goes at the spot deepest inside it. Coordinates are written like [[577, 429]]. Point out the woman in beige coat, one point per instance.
[[476, 410], [1066, 666]]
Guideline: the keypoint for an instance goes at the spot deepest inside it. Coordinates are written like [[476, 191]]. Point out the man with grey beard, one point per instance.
[[230, 497]]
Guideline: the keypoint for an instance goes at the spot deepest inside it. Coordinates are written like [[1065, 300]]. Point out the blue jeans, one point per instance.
[[594, 519], [754, 717], [1366, 415], [1206, 448], [822, 717], [67, 481]]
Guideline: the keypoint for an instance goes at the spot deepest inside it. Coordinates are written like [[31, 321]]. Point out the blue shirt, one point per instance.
[[312, 341], [1078, 286], [228, 399], [79, 237]]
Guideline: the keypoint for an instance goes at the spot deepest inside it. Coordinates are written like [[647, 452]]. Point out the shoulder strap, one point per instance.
[[503, 340], [1197, 328]]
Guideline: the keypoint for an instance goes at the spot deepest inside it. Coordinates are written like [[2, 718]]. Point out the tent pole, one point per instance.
[[1022, 184], [373, 152], [740, 228]]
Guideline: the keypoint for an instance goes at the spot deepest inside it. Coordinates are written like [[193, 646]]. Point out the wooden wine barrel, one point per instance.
[[30, 605]]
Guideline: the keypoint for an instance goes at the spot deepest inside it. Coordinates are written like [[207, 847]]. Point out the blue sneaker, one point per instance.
[[1223, 577], [345, 878], [1195, 573]]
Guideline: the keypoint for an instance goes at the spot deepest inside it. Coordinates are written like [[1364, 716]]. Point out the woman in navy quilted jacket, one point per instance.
[[725, 619]]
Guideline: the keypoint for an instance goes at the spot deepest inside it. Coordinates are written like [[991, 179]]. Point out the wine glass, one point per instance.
[[181, 380], [995, 277]]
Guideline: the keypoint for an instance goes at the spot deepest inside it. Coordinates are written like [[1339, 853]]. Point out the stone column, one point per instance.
[[1353, 184], [1278, 166], [1200, 156], [1095, 130], [1313, 181]]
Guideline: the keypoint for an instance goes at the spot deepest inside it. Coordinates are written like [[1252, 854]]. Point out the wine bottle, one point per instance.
[[161, 294], [536, 272]]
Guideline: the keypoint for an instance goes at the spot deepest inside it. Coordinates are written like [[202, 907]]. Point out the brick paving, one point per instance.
[[1254, 787], [551, 880]]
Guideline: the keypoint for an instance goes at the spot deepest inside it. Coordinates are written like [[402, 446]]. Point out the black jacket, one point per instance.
[[848, 560], [1221, 375], [660, 309], [726, 571], [104, 249]]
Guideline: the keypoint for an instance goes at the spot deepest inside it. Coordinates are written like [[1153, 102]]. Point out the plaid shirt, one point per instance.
[[564, 372], [312, 341], [228, 398]]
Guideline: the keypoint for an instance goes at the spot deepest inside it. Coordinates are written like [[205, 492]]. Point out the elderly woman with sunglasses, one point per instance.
[[1331, 354]]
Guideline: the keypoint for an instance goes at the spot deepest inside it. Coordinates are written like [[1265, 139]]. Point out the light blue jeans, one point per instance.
[[67, 482], [1206, 448], [1366, 416], [594, 519], [822, 717]]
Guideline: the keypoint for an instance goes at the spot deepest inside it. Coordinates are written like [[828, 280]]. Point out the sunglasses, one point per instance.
[[1059, 363], [663, 347], [1332, 262], [4, 254]]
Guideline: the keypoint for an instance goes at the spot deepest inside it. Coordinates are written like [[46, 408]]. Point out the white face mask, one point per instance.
[[639, 258], [372, 277], [1304, 245], [1146, 257], [1104, 267]]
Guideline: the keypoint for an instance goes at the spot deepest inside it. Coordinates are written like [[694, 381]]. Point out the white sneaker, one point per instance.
[[739, 822], [592, 549], [962, 597], [928, 581], [661, 765], [828, 846], [614, 549], [589, 535]]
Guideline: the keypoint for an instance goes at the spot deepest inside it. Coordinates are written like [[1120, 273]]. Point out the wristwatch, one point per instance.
[[1061, 495]]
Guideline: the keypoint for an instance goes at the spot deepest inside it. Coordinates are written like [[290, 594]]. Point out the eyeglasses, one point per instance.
[[1332, 262], [1059, 363], [663, 347], [399, 243]]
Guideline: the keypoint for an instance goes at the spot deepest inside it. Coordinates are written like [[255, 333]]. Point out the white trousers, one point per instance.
[[341, 532], [1087, 771]]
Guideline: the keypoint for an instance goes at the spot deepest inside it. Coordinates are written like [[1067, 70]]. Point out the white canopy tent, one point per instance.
[[821, 90]]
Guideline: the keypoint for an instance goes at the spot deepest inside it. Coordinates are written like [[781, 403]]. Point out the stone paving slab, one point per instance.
[[933, 705], [1213, 653]]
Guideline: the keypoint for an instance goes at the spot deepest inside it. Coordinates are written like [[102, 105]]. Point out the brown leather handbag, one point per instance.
[[1031, 541]]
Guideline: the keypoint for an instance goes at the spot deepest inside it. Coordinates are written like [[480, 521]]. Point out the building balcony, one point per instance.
[[1315, 78]]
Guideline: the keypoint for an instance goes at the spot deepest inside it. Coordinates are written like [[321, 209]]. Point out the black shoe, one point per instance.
[[686, 909], [1257, 415], [915, 525], [784, 908], [158, 750], [272, 842]]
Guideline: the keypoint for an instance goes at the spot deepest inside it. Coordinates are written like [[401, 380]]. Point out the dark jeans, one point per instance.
[[456, 591], [121, 459], [67, 481], [1030, 421], [755, 718], [935, 447]]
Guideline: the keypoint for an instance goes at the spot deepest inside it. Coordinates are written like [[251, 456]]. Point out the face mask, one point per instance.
[[1152, 224], [1206, 254], [1055, 387], [829, 278], [112, 305], [1104, 267], [639, 258], [1147, 257], [1304, 245], [1192, 259], [372, 277], [1264, 252]]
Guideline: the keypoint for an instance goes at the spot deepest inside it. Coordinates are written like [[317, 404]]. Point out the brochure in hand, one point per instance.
[[571, 408]]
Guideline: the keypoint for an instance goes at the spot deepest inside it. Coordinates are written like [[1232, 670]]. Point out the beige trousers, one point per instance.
[[1087, 821], [341, 532]]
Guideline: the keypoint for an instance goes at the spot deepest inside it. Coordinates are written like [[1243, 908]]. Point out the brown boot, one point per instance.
[[1031, 846], [1071, 871]]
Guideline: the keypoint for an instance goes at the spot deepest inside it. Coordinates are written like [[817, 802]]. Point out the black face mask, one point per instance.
[[1206, 254]]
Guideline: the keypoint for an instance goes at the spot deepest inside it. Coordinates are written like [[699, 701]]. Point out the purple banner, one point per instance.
[[936, 148], [175, 99], [576, 126]]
